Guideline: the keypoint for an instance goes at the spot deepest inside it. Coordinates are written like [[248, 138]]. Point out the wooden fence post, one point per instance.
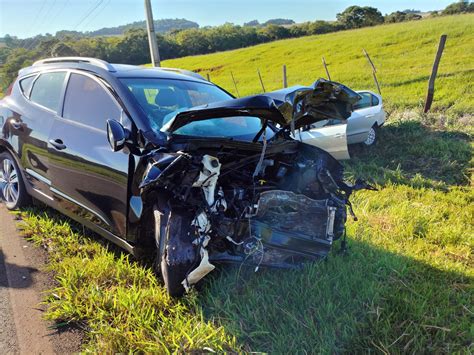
[[208, 77], [374, 70], [326, 68], [235, 84], [434, 72], [261, 81], [285, 82]]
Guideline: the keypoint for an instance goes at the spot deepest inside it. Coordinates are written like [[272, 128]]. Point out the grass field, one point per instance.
[[406, 282], [403, 54]]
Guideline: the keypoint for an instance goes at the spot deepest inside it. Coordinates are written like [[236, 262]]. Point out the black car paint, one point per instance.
[[107, 201], [61, 164]]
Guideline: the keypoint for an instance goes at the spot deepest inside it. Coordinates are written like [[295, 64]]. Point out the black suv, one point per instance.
[[161, 160]]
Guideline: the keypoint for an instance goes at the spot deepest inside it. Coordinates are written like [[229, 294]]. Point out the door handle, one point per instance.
[[57, 143], [370, 115], [16, 123]]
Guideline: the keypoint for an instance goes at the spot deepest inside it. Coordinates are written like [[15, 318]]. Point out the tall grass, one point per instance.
[[403, 54], [119, 302]]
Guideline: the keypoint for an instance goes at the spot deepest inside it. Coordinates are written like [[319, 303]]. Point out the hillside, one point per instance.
[[403, 54], [161, 26]]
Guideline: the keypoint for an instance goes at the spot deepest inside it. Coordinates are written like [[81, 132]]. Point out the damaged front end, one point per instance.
[[272, 203]]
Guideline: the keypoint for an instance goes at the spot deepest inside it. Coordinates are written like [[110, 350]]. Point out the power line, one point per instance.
[[33, 23], [45, 17], [97, 13], [61, 9], [88, 14]]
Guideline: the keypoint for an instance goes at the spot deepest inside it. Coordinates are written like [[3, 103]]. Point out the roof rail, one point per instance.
[[93, 61], [182, 71]]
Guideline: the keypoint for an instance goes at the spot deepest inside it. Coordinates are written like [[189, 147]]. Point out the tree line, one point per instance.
[[132, 47]]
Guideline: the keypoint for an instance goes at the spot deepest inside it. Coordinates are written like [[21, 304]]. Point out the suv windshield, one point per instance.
[[162, 99]]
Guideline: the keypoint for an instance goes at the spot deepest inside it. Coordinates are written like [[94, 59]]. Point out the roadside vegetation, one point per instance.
[[178, 38], [404, 285], [405, 282], [403, 54]]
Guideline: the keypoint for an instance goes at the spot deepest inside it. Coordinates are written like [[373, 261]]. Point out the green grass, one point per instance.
[[406, 282], [117, 301], [403, 54]]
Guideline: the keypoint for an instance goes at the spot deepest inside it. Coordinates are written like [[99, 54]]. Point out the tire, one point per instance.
[[175, 254], [372, 136], [12, 188]]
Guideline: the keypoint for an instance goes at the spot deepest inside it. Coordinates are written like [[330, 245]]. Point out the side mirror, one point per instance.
[[116, 135]]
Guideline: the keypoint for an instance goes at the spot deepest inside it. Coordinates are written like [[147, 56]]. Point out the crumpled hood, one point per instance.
[[298, 105]]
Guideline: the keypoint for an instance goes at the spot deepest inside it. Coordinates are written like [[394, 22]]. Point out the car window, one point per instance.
[[325, 123], [25, 85], [87, 102], [242, 127], [375, 100], [161, 97], [47, 90], [364, 102]]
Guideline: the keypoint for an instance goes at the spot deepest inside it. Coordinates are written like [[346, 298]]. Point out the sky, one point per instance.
[[26, 18]]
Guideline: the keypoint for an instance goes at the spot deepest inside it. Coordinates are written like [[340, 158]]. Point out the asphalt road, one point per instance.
[[22, 330]]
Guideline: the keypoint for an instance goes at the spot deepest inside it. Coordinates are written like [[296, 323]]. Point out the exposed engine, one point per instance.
[[277, 206]]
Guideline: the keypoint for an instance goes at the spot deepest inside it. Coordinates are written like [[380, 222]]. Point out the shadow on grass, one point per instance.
[[369, 299], [410, 153], [425, 78]]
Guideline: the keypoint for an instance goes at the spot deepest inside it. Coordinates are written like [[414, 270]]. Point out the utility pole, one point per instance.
[[150, 26]]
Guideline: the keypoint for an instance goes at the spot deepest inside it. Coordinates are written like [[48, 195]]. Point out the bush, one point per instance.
[[459, 8]]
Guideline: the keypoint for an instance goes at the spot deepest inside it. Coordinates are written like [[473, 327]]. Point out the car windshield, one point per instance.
[[162, 99]]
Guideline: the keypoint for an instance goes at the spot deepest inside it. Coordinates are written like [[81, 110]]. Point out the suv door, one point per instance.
[[43, 95], [89, 180]]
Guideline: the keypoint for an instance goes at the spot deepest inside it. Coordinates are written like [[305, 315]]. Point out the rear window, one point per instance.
[[375, 100], [47, 90], [25, 85]]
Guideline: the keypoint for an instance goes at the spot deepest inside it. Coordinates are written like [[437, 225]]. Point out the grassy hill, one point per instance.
[[406, 283], [403, 54]]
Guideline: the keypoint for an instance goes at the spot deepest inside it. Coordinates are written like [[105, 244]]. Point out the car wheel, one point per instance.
[[175, 253], [12, 188], [372, 136]]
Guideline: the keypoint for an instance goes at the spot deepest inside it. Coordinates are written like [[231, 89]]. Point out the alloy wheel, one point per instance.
[[371, 137], [9, 183]]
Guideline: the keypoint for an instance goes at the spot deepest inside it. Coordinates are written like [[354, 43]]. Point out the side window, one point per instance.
[[364, 102], [25, 85], [375, 100], [47, 90], [87, 102]]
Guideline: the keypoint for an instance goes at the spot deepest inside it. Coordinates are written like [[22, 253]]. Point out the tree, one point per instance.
[[253, 23], [62, 50], [399, 16], [274, 32], [320, 27], [357, 16], [459, 7], [279, 22]]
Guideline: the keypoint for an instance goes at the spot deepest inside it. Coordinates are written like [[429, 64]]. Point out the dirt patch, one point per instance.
[[64, 339]]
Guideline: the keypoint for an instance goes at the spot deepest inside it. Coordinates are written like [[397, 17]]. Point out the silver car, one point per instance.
[[333, 136]]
